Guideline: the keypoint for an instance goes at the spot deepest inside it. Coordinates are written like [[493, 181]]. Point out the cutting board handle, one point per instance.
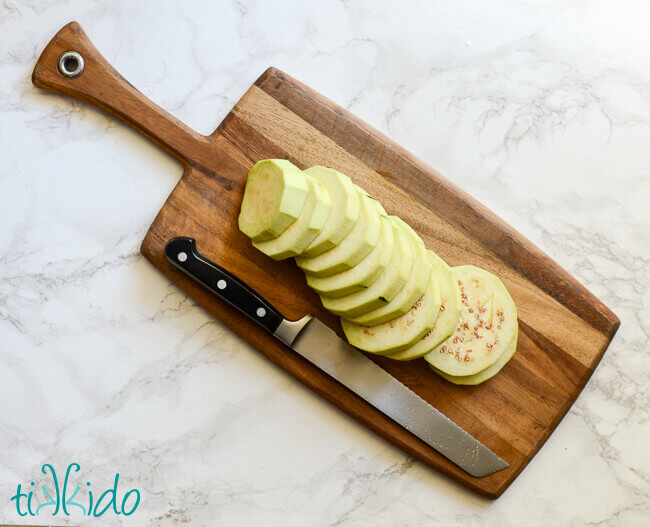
[[90, 78]]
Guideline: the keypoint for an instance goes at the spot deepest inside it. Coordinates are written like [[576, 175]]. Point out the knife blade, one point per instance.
[[321, 346]]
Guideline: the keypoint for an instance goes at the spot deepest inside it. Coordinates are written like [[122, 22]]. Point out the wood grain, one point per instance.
[[564, 329]]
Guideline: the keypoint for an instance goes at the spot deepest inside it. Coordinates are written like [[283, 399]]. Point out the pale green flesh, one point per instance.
[[275, 194], [353, 248], [395, 297], [386, 287], [363, 191], [450, 303], [301, 232], [401, 332], [487, 373], [345, 209], [364, 273], [486, 326], [402, 301]]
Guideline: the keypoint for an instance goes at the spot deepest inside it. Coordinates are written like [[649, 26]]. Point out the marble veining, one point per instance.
[[541, 110]]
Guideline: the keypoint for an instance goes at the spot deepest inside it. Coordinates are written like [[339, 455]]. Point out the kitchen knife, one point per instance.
[[322, 347]]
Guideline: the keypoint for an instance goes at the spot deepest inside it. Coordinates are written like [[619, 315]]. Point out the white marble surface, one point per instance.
[[539, 109]]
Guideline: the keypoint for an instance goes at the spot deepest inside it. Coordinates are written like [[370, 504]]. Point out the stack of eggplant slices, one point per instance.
[[394, 296]]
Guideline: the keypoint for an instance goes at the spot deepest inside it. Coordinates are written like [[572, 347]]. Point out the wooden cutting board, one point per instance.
[[564, 329]]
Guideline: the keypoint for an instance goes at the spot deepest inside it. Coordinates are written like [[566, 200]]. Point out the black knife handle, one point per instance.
[[182, 253]]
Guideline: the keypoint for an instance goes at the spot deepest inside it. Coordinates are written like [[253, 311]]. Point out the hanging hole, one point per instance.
[[71, 64]]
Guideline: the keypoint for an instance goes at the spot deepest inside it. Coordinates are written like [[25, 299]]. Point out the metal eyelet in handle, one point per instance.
[[71, 64]]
